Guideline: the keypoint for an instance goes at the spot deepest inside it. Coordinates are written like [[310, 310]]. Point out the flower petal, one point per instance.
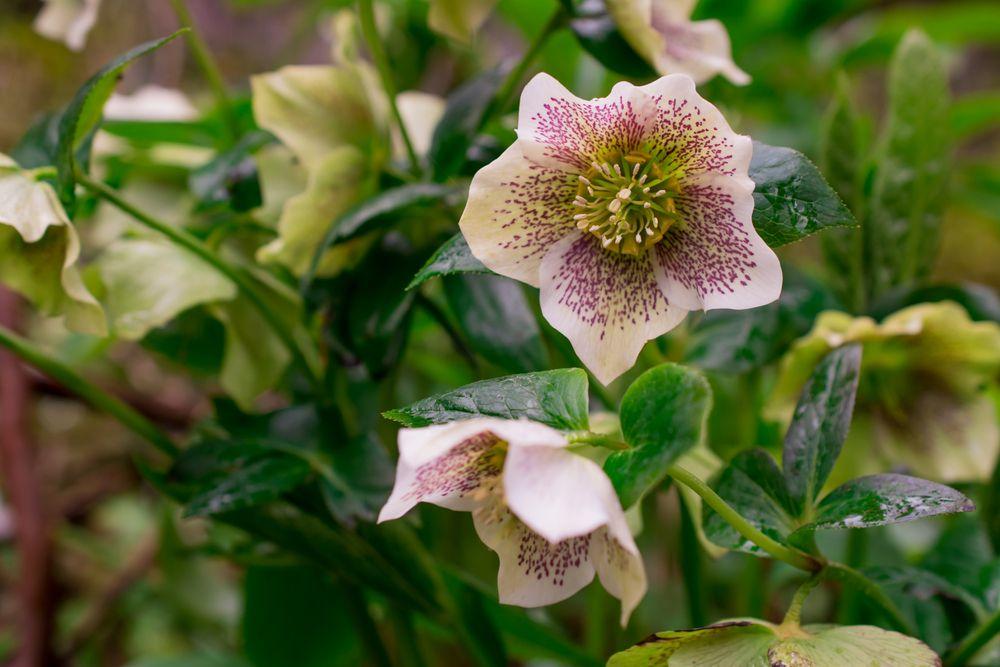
[[699, 49], [447, 464], [619, 567], [459, 19], [560, 130], [517, 210], [558, 494], [67, 21], [606, 303], [533, 572], [716, 258]]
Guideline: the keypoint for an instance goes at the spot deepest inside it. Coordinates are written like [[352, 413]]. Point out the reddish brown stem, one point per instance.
[[24, 494]]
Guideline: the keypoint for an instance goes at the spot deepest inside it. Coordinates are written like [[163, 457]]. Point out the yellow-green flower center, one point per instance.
[[628, 201]]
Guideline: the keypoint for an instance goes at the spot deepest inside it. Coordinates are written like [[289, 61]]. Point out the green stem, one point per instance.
[[595, 622], [854, 578], [691, 568], [974, 641], [408, 653], [596, 439], [366, 16], [97, 397], [745, 528], [208, 66], [603, 396], [794, 613], [507, 93], [365, 626], [303, 353]]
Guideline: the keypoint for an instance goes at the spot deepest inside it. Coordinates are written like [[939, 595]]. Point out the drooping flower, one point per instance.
[[459, 19], [551, 516], [67, 21], [924, 400], [39, 248], [627, 211], [662, 32]]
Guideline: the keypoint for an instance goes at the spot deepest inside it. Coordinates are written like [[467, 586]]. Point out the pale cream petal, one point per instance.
[[67, 21], [459, 19], [619, 567]]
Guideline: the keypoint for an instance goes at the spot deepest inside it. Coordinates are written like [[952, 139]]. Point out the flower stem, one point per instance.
[[506, 94], [301, 349], [692, 571], [366, 16], [974, 641], [791, 556], [854, 578], [794, 613], [97, 397], [208, 66], [596, 439]]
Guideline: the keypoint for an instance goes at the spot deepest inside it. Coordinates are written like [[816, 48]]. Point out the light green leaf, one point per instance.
[[663, 416], [39, 249], [557, 398], [835, 646], [147, 283], [912, 172], [459, 19], [724, 644]]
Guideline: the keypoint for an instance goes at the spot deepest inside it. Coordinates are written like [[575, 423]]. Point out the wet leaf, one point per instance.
[[256, 483], [454, 256]]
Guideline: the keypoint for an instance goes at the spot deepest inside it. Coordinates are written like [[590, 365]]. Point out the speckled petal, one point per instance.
[[449, 464], [715, 258], [619, 566], [607, 304], [517, 210], [533, 572], [557, 493], [558, 129]]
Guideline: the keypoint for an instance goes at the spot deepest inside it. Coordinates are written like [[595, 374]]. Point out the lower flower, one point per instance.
[[550, 515]]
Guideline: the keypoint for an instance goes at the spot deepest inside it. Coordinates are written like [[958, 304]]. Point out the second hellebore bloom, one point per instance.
[[551, 516], [627, 211]]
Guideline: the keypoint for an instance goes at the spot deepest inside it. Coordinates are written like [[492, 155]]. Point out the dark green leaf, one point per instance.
[[663, 416], [231, 177], [494, 315], [752, 484], [454, 256], [461, 122], [737, 341], [557, 398], [820, 423], [358, 480], [297, 616], [598, 34], [879, 500], [187, 133], [84, 113], [39, 146], [256, 483], [791, 198], [912, 171], [480, 629]]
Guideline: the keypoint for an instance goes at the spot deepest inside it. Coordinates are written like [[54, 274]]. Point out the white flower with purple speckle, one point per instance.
[[551, 516], [627, 211], [662, 32]]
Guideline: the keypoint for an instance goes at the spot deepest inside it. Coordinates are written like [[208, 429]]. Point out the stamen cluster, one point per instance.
[[628, 202]]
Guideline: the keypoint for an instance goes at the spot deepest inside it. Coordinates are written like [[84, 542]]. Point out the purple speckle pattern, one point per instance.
[[461, 471], [607, 290], [537, 212], [689, 138], [712, 253], [543, 561]]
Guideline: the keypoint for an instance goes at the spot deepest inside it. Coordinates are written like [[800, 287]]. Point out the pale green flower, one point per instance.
[[662, 32], [923, 400], [67, 21], [39, 248], [459, 19]]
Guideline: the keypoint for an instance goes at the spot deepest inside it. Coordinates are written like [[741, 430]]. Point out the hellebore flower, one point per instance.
[[459, 19], [551, 516], [627, 211], [67, 21], [39, 248], [662, 32], [923, 397]]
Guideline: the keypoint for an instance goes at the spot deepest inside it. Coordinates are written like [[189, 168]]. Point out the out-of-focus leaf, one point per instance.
[[819, 424], [494, 314], [454, 256], [878, 500], [482, 634], [84, 113], [557, 398], [974, 113], [230, 179], [193, 340], [980, 301], [297, 616], [375, 213], [187, 133], [463, 117], [147, 283], [358, 481], [598, 34], [842, 160], [791, 198], [912, 171], [663, 416], [39, 146], [739, 341]]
